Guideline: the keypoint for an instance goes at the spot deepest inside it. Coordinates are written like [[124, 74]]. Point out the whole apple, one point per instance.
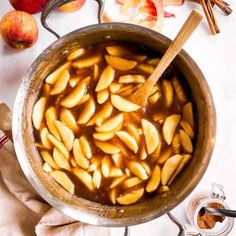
[[19, 29], [72, 6], [30, 6]]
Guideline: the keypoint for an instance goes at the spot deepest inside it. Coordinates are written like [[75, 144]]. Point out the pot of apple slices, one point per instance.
[[90, 152]]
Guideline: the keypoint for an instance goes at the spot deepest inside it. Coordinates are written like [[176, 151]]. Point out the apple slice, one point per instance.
[[187, 128], [43, 136], [87, 62], [169, 127], [131, 182], [63, 180], [80, 158], [85, 178], [169, 168], [67, 117], [47, 168], [111, 124], [38, 112], [122, 104], [114, 87], [118, 160], [85, 146], [186, 141], [113, 195], [179, 91], [131, 197], [128, 140], [155, 97], [66, 134], [60, 160], [155, 180], [51, 78], [143, 152], [106, 78], [168, 92], [47, 157], [61, 83], [146, 167], [103, 113], [116, 50], [102, 96], [133, 130], [46, 90], [74, 96], [151, 136], [188, 113], [59, 145], [134, 79], [115, 172], [106, 166], [163, 189], [103, 136], [119, 63], [164, 155], [95, 162], [87, 112], [97, 178], [137, 169], [146, 68], [176, 144], [153, 61], [107, 147], [84, 99], [76, 53], [117, 181], [95, 71]]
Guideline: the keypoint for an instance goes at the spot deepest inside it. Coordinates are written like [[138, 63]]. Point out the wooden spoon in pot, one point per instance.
[[140, 96]]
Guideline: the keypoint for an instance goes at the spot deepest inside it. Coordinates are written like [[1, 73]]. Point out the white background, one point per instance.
[[215, 55]]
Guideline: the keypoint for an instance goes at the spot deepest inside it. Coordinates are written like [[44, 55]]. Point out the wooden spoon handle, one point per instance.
[[176, 45]]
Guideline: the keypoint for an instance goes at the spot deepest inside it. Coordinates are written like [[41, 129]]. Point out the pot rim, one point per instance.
[[63, 206]]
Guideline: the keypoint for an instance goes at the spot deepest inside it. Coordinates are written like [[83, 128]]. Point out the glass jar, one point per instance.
[[200, 200]]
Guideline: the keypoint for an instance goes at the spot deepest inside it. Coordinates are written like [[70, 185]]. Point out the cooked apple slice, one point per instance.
[[146, 167], [87, 62], [43, 136], [46, 90], [97, 178], [118, 143], [107, 147], [87, 112], [131, 182], [155, 97], [111, 124], [85, 146], [163, 189], [106, 166], [73, 81], [169, 168], [137, 169], [66, 134], [128, 140], [117, 50], [117, 181], [187, 128], [155, 180], [153, 61], [61, 83], [103, 136], [80, 158], [72, 162], [114, 87], [164, 155], [84, 99], [186, 141], [115, 172], [131, 197], [169, 127], [134, 79], [133, 130], [63, 180], [122, 104], [38, 112], [51, 116], [183, 163], [47, 157], [113, 195], [146, 68], [176, 144], [47, 168], [102, 114], [95, 71], [188, 113], [67, 117], [118, 160], [95, 162], [155, 155], [102, 96], [59, 145], [168, 92], [143, 152], [51, 78], [76, 53], [151, 136], [179, 91], [119, 63], [85, 178], [60, 160], [73, 98], [106, 78]]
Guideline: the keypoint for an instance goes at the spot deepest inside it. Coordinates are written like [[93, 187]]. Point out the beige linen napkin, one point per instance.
[[22, 210]]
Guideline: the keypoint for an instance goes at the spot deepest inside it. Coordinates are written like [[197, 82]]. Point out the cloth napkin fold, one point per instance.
[[22, 210]]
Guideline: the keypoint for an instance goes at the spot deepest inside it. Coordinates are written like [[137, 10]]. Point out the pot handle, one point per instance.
[[53, 5]]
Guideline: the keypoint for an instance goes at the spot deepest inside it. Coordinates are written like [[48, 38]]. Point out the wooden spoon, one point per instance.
[[140, 96]]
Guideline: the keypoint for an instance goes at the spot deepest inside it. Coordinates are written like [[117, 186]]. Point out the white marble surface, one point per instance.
[[215, 55]]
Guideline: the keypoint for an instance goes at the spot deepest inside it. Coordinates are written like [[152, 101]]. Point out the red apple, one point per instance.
[[30, 6], [72, 6], [19, 29]]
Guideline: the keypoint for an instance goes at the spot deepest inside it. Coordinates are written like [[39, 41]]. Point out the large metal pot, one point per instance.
[[82, 209]]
